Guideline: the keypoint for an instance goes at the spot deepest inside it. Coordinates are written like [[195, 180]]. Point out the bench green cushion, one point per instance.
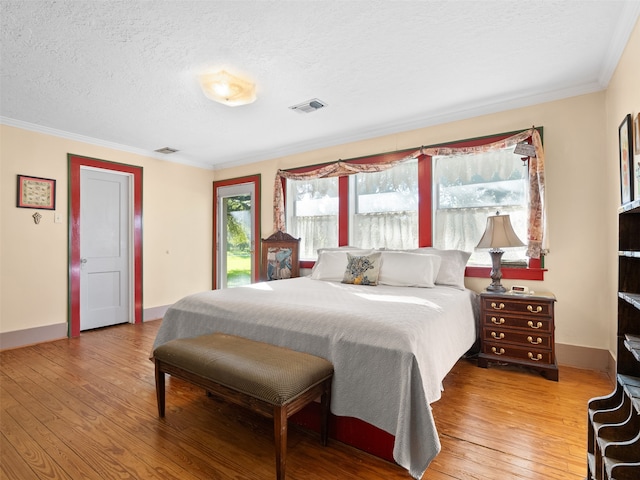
[[276, 375]]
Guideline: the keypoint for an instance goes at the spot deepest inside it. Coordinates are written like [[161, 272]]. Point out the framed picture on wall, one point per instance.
[[636, 134], [36, 192], [626, 160]]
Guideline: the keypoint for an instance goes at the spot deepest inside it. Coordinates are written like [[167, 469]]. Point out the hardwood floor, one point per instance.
[[86, 408]]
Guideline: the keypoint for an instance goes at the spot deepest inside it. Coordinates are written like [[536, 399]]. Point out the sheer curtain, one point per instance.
[[461, 228], [396, 230], [312, 213], [315, 232], [384, 210]]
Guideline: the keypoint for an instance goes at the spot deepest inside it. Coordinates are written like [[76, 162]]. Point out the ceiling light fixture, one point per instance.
[[227, 89]]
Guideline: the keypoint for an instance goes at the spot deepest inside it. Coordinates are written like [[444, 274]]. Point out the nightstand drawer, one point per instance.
[[537, 324], [525, 339], [504, 351], [531, 306]]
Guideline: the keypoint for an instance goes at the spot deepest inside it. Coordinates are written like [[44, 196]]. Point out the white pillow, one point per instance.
[[337, 249], [405, 269], [334, 249], [331, 264], [452, 265]]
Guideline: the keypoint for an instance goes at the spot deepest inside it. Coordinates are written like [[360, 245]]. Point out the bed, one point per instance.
[[391, 345]]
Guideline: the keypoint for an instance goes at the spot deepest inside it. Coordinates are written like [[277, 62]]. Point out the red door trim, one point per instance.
[[255, 179], [74, 164]]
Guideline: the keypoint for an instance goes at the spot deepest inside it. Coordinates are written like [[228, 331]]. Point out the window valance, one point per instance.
[[537, 216]]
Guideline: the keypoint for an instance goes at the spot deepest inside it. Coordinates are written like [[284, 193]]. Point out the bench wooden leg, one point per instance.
[[280, 436], [160, 389], [325, 404]]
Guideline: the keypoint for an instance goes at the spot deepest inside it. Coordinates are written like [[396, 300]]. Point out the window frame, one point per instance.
[[535, 269]]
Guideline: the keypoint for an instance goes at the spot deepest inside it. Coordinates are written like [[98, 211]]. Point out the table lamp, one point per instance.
[[499, 234]]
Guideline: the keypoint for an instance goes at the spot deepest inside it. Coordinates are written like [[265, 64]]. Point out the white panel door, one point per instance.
[[104, 248]]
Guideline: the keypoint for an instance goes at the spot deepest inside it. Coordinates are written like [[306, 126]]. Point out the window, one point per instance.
[[312, 214], [468, 189], [441, 201], [384, 208]]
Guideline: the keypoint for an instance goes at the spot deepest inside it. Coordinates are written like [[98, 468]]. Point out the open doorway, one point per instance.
[[236, 231]]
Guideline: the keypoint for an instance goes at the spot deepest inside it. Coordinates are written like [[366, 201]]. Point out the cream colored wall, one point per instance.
[[576, 172], [580, 136], [176, 229], [622, 97]]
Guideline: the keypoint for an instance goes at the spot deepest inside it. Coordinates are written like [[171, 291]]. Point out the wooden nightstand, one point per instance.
[[518, 329]]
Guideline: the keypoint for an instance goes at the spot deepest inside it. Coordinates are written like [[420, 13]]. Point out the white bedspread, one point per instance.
[[391, 347]]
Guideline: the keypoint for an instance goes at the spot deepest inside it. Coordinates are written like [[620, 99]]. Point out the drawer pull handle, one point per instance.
[[496, 351], [496, 321], [537, 310], [537, 341], [538, 325], [536, 358], [497, 336], [496, 306]]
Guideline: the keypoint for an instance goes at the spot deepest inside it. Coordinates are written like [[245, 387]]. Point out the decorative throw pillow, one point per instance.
[[362, 270]]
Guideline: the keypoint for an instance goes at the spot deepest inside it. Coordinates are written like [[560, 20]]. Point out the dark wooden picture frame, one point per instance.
[[280, 257], [36, 192], [625, 143]]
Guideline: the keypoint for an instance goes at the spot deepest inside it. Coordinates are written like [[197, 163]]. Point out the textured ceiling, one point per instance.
[[123, 73]]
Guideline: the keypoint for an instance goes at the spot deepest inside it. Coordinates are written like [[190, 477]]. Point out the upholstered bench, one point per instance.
[[270, 380]]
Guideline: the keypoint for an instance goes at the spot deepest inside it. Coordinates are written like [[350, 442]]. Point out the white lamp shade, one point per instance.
[[499, 234], [223, 87]]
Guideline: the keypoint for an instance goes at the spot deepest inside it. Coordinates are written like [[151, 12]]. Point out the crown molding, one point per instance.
[[626, 23], [12, 122], [461, 112]]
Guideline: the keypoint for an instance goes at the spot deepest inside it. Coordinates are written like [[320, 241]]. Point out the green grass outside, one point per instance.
[[238, 268]]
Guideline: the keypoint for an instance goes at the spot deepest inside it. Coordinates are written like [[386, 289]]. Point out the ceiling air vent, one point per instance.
[[309, 106], [166, 150]]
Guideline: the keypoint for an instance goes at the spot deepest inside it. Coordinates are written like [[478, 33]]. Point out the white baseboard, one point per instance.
[[49, 333], [154, 313], [31, 336], [587, 358]]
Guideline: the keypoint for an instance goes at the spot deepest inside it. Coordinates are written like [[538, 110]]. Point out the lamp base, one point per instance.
[[496, 288], [496, 272]]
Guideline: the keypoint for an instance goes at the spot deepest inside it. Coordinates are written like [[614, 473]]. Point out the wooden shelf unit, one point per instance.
[[613, 447]]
